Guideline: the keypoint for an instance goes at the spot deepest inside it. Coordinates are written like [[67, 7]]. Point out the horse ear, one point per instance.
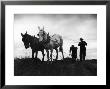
[[43, 28], [48, 33], [22, 35], [38, 27], [26, 32]]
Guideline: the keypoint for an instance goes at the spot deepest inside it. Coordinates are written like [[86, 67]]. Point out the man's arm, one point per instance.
[[70, 49], [79, 44], [85, 43]]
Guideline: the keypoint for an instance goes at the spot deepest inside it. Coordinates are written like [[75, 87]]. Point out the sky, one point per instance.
[[70, 26]]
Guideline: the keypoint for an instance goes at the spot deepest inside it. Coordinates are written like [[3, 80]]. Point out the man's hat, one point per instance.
[[72, 45], [81, 38]]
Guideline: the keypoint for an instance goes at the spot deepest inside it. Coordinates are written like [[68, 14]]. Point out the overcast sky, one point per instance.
[[70, 26]]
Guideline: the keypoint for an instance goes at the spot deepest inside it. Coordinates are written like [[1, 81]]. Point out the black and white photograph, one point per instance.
[[55, 44]]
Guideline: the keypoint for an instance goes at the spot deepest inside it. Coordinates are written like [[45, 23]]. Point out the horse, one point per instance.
[[51, 42], [33, 42]]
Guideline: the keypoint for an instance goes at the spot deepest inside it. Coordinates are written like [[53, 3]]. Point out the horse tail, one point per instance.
[[61, 44], [60, 49]]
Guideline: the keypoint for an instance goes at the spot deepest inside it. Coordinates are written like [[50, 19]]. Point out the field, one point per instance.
[[67, 67]]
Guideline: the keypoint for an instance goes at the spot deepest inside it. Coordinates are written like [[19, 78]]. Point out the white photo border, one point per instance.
[[100, 79]]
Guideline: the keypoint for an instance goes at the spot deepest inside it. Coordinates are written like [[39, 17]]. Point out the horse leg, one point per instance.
[[51, 55], [36, 54], [43, 55], [32, 54], [56, 53], [62, 52], [47, 55]]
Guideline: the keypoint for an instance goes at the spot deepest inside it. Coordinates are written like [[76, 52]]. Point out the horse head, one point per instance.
[[25, 39], [42, 34]]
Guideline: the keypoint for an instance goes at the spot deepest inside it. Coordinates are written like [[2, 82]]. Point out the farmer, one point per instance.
[[82, 45], [73, 52]]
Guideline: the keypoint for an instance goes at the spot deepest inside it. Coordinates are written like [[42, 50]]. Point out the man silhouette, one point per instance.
[[75, 49], [73, 52], [82, 45]]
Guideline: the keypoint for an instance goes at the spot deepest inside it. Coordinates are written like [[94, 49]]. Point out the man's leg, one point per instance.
[[73, 57], [83, 57], [80, 56]]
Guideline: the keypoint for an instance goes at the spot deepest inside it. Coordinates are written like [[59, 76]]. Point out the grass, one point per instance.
[[67, 67]]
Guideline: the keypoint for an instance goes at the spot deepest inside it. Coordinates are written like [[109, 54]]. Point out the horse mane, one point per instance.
[[48, 38], [32, 36]]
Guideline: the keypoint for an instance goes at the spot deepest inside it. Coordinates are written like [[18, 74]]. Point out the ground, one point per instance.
[[67, 67]]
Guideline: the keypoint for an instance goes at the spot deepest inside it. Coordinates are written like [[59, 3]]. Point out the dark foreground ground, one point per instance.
[[29, 67]]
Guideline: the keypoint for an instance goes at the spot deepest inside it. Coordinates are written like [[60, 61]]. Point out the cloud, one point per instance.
[[70, 26]]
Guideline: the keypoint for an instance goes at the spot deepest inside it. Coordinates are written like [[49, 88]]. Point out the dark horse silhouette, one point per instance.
[[33, 42]]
